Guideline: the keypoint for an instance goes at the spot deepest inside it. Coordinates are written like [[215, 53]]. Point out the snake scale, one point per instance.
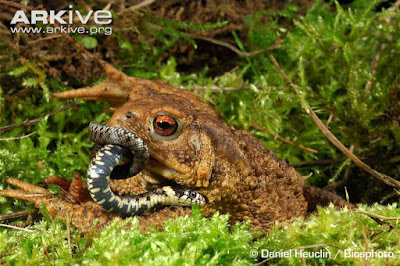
[[120, 147]]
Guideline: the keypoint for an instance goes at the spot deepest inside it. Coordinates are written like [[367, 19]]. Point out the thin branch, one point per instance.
[[18, 228], [18, 138], [12, 248], [228, 45], [301, 146], [318, 163], [377, 216], [80, 47], [382, 177], [84, 5], [14, 215], [46, 38], [32, 122], [339, 183], [69, 233], [5, 32], [233, 48], [108, 6], [46, 252], [395, 159], [225, 44], [16, 5], [138, 6], [396, 5], [330, 118], [214, 88], [305, 177], [106, 66]]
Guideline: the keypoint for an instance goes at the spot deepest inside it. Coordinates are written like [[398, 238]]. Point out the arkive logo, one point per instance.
[[100, 17]]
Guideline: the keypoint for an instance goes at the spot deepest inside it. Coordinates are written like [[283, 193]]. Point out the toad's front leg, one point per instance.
[[78, 214], [83, 214]]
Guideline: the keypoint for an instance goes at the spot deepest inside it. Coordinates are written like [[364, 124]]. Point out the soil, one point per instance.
[[57, 57]]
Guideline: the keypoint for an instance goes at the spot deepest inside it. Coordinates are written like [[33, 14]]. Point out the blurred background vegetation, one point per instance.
[[341, 54]]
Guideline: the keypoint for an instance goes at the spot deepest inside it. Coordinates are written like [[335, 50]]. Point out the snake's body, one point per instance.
[[120, 146], [102, 134]]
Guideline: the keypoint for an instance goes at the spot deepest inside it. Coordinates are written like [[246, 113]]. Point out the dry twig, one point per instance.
[[18, 228], [18, 138], [32, 122], [214, 88], [228, 45], [301, 146], [14, 215], [138, 6], [12, 248], [339, 183], [318, 162], [84, 5], [233, 48], [396, 5], [46, 38], [16, 5], [69, 233], [377, 216]]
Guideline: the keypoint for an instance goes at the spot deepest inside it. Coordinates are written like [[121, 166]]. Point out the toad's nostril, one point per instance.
[[129, 115]]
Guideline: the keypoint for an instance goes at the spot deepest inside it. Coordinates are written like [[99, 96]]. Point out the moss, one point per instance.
[[337, 231], [200, 241]]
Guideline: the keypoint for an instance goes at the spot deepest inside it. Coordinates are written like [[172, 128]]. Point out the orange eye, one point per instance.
[[165, 125]]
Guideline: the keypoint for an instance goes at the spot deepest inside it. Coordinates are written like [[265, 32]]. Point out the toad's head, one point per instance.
[[183, 138]]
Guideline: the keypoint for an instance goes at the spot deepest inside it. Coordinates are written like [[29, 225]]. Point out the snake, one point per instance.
[[119, 148]]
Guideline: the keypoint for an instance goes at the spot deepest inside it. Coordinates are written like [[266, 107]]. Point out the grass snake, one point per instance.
[[122, 147]]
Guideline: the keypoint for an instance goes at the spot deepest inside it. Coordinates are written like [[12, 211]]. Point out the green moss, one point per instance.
[[337, 231], [200, 241]]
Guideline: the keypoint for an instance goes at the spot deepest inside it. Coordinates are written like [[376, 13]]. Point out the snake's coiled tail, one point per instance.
[[102, 134], [100, 168], [125, 145]]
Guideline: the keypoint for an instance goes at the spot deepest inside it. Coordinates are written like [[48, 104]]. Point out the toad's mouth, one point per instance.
[[159, 172], [160, 166], [155, 173]]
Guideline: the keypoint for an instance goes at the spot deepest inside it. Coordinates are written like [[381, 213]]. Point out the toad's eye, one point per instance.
[[165, 125]]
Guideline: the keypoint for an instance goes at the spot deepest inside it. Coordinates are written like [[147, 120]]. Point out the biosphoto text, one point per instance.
[[68, 21]]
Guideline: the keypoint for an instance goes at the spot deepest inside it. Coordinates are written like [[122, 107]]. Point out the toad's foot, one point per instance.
[[74, 191], [82, 214], [78, 214]]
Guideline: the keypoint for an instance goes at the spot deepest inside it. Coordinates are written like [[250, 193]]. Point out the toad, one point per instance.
[[189, 145]]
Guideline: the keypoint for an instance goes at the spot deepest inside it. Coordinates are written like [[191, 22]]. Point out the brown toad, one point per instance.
[[197, 150]]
